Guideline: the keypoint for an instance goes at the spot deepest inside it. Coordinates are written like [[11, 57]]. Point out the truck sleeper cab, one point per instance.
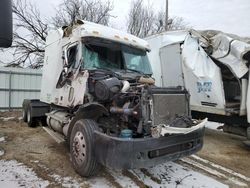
[[98, 94]]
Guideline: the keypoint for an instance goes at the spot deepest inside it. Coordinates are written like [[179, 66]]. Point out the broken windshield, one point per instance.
[[115, 57]]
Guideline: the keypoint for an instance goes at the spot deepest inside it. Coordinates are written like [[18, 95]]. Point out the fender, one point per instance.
[[92, 110]]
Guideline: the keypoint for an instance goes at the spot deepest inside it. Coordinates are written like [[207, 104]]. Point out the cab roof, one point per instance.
[[90, 29]]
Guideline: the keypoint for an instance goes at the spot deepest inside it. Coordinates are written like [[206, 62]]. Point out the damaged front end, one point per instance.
[[142, 125], [170, 112], [147, 125]]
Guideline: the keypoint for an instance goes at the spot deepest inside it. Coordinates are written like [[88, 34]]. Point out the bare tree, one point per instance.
[[30, 27], [91, 10], [140, 19], [30, 31], [174, 23], [143, 21]]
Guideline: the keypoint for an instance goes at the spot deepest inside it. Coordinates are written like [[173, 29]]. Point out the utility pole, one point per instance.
[[166, 18]]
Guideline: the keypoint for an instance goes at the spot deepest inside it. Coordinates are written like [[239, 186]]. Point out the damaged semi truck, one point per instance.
[[213, 66], [98, 94]]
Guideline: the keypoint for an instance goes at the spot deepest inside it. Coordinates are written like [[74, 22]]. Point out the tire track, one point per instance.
[[121, 179], [215, 171]]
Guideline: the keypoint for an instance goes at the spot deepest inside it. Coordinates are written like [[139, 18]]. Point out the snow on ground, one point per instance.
[[124, 181], [171, 174], [174, 175], [214, 125], [15, 174], [2, 139], [7, 118], [1, 152]]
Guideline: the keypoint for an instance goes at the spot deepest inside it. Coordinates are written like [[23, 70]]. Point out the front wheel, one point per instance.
[[82, 147]]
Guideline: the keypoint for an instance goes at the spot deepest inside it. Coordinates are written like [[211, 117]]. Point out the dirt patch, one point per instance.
[[226, 150], [15, 114], [138, 182], [36, 149]]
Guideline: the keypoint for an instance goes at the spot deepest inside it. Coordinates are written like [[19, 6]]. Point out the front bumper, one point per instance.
[[123, 153]]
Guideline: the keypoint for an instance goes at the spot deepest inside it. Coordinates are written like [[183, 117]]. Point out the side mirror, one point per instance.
[[5, 23], [64, 58]]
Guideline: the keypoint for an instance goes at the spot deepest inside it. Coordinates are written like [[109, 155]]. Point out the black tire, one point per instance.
[[82, 147], [44, 121], [24, 111], [248, 133], [30, 120]]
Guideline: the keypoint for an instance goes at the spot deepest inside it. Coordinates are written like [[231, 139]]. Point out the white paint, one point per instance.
[[177, 130], [203, 78], [158, 42]]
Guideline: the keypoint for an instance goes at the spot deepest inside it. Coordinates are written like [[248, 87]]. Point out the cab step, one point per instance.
[[56, 136]]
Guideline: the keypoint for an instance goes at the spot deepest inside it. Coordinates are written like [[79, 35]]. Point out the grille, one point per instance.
[[166, 107]]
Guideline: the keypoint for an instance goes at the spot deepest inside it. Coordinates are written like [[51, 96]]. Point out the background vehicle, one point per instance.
[[213, 66], [98, 94]]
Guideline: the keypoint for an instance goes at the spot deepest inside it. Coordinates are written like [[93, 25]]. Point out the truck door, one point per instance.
[[171, 68], [72, 82]]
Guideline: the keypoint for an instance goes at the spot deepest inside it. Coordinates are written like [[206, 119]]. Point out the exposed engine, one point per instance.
[[136, 108], [130, 102]]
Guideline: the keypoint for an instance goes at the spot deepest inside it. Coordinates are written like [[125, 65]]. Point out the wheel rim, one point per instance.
[[28, 116], [79, 148], [23, 114]]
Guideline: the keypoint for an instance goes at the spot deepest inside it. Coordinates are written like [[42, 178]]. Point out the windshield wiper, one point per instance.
[[133, 70], [108, 70], [102, 69]]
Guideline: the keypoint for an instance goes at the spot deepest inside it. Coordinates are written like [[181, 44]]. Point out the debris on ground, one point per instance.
[[40, 162], [1, 152], [214, 126]]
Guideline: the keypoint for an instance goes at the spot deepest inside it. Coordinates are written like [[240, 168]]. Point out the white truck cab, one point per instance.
[[98, 94]]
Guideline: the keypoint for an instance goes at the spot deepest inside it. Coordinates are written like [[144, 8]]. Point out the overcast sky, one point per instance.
[[232, 16]]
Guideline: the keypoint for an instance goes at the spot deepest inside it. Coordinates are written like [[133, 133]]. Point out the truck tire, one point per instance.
[[248, 133], [30, 120], [82, 147], [24, 115], [44, 121]]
